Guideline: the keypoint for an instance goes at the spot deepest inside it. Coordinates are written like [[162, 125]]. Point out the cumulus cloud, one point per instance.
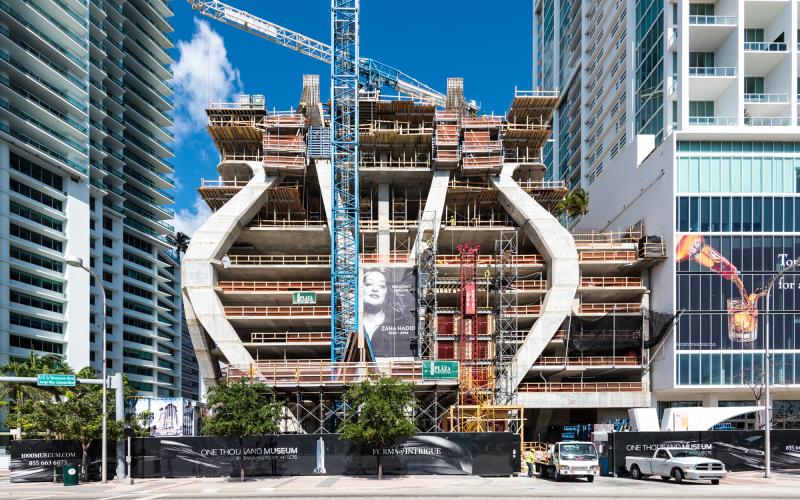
[[188, 220], [202, 72]]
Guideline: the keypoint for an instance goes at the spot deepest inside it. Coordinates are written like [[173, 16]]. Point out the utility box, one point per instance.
[[71, 474]]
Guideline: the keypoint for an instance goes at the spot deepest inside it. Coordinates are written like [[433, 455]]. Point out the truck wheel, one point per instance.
[[635, 472], [715, 481], [665, 478], [590, 479], [678, 475]]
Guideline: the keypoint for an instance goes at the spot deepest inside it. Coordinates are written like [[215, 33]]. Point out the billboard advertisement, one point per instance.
[[387, 312], [166, 415]]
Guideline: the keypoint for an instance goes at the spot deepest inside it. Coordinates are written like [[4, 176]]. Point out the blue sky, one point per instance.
[[487, 43]]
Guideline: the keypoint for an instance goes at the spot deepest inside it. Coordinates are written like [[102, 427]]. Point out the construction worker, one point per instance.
[[529, 462]]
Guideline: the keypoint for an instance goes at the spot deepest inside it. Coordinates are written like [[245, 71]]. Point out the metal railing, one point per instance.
[[287, 223], [588, 361], [609, 307], [278, 311], [725, 121], [765, 46], [289, 337], [608, 281], [767, 121], [592, 236], [529, 285], [703, 20], [274, 286], [489, 260], [766, 98], [321, 372], [581, 387], [712, 71]]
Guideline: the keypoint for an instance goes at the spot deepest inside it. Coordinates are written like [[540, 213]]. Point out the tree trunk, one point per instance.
[[241, 460], [380, 468], [85, 461]]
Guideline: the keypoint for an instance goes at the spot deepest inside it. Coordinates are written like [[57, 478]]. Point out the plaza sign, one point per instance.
[[304, 298], [440, 369]]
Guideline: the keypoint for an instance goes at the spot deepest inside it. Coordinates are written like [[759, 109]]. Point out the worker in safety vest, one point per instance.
[[529, 462]]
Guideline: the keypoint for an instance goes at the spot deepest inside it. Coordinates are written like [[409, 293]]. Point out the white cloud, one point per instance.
[[202, 73], [188, 220]]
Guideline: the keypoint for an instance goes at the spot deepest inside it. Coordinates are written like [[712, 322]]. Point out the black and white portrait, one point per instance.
[[388, 299]]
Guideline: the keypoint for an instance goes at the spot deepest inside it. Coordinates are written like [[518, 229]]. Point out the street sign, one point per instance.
[[304, 298], [55, 380], [440, 369]]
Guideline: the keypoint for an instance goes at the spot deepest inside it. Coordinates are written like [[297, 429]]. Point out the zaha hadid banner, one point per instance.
[[387, 299]]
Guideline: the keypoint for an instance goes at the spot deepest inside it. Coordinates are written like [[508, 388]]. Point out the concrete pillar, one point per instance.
[[710, 400], [119, 416], [78, 291], [434, 207], [384, 234], [323, 169]]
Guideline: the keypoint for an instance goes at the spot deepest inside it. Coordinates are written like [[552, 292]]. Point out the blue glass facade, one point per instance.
[[650, 68], [742, 199]]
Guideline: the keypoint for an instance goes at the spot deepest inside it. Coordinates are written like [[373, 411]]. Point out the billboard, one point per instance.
[[167, 415], [387, 297]]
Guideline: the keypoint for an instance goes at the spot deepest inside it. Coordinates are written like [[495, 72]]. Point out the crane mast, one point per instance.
[[344, 164]]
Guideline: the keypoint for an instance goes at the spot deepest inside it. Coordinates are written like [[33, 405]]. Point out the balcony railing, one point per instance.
[[767, 98], [767, 121], [581, 387], [713, 120], [703, 20], [322, 372], [712, 71], [765, 46]]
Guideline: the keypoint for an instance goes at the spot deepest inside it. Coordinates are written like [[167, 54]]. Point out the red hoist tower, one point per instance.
[[472, 376]]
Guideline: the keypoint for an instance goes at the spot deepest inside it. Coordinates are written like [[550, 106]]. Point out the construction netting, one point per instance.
[[614, 333]]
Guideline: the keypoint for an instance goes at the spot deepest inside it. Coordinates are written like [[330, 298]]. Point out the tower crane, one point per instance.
[[373, 74]]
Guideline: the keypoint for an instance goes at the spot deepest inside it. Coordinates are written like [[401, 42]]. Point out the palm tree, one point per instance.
[[181, 242], [18, 393], [575, 203]]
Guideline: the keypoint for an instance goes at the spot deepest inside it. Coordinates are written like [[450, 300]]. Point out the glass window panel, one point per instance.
[[694, 369], [755, 175], [705, 214], [736, 175], [747, 214], [683, 175], [766, 175], [778, 227], [714, 186], [768, 217], [683, 369], [683, 214], [788, 214], [716, 221], [726, 214], [757, 213], [705, 369]]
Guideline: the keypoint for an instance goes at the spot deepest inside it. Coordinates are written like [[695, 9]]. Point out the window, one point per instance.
[[37, 281], [35, 323], [33, 237], [137, 275], [108, 223], [137, 243], [35, 344], [137, 370], [701, 108], [663, 453], [108, 242], [132, 353], [38, 260], [700, 9], [138, 339], [754, 85], [35, 216], [34, 171], [35, 195], [135, 290], [31, 301], [701, 59], [140, 386], [138, 323], [753, 35]]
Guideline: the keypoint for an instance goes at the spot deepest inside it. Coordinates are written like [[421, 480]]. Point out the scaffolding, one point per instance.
[[507, 305]]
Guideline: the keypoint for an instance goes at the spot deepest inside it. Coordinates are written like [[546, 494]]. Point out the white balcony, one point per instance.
[[767, 121], [708, 33], [708, 83], [762, 98]]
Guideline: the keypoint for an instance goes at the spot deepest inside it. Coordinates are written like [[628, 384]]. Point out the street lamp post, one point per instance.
[[78, 262], [767, 369]]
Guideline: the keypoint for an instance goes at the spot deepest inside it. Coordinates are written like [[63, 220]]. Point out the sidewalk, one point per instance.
[[739, 485]]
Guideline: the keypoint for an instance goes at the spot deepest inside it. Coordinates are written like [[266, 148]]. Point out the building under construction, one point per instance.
[[461, 258]]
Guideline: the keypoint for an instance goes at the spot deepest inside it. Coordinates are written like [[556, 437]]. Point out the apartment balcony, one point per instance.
[[761, 57], [708, 33], [767, 121], [709, 82], [713, 121]]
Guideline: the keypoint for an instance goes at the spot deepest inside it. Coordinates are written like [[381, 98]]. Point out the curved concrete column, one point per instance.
[[434, 205], [557, 247], [205, 314]]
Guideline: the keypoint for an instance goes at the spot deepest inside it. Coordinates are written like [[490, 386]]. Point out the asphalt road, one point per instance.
[[740, 485]]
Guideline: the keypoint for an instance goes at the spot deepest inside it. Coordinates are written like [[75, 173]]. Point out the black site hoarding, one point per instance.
[[738, 450], [40, 460], [485, 454]]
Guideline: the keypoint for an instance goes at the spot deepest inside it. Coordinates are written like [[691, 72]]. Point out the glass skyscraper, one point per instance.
[[85, 142]]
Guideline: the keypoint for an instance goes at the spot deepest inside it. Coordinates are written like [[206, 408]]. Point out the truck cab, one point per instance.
[[572, 459]]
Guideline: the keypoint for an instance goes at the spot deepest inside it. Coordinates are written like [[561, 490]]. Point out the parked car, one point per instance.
[[678, 464], [569, 459]]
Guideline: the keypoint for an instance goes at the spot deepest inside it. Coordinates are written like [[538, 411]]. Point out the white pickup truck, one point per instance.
[[676, 463]]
